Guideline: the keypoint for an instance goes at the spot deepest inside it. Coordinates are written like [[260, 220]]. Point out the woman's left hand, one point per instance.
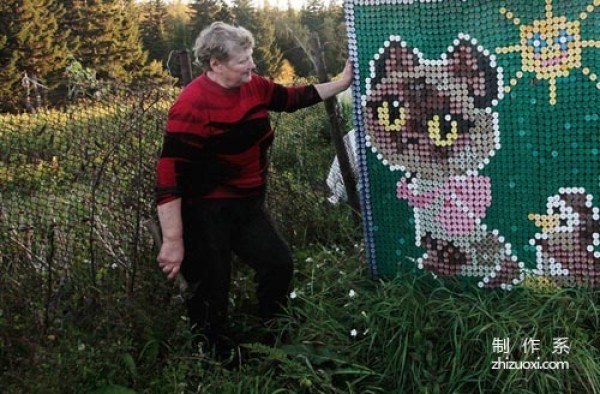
[[347, 74]]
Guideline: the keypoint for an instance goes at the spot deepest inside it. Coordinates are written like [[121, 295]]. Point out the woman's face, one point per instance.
[[237, 70]]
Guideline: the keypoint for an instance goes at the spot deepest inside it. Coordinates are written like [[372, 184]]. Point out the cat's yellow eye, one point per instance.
[[434, 129], [385, 119]]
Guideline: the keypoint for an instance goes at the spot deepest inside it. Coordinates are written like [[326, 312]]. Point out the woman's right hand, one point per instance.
[[170, 257]]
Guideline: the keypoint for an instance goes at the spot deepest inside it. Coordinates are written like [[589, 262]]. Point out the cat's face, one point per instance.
[[433, 118]]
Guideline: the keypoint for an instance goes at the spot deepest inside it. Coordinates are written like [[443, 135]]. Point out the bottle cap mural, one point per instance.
[[478, 137]]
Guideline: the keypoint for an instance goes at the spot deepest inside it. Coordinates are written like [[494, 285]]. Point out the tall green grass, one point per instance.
[[343, 333]]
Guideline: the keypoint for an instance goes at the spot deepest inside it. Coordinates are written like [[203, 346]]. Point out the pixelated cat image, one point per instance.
[[433, 121]]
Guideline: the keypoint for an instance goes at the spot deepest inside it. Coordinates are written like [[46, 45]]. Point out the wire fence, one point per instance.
[[77, 190], [76, 185]]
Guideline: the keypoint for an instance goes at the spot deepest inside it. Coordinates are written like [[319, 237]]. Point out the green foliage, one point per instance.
[[328, 24], [81, 81], [424, 335], [153, 29], [109, 42], [178, 21], [301, 158], [206, 12], [33, 51], [41, 43], [292, 37], [125, 41], [267, 55]]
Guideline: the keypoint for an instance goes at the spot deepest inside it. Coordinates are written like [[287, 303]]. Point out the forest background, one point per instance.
[[60, 47]]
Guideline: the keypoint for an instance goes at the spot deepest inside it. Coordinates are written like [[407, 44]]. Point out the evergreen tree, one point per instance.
[[205, 12], [34, 48], [178, 26], [5, 13], [334, 37], [153, 30], [41, 41], [90, 23], [312, 15], [328, 24], [130, 57], [178, 35], [292, 37], [9, 76], [267, 53], [268, 50], [244, 14], [108, 38], [74, 20]]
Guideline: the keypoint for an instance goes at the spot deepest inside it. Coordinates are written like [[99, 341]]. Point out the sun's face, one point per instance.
[[550, 48]]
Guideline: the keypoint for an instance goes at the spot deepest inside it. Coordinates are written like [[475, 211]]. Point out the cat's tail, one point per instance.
[[508, 271]]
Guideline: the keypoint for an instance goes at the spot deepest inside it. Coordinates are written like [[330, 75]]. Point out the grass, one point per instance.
[[344, 333]]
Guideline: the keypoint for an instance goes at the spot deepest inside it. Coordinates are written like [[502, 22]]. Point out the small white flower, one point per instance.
[[113, 265], [309, 260], [81, 347], [353, 333], [351, 293], [293, 295]]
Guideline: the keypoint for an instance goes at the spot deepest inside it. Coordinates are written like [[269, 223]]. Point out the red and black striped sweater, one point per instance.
[[216, 139]]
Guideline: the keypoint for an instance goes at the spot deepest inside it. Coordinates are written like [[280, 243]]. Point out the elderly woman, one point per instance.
[[211, 178]]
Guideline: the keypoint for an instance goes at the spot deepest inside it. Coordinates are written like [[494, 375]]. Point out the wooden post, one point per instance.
[[186, 66], [26, 83], [36, 89], [337, 132]]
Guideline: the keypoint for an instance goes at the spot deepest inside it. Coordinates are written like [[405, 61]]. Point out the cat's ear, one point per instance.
[[474, 66], [395, 56]]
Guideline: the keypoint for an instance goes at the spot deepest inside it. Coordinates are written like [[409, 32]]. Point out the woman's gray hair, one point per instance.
[[220, 40]]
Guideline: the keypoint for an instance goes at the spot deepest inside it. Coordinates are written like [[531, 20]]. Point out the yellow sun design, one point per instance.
[[550, 48]]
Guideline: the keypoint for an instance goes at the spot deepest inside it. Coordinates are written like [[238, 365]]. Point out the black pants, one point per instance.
[[213, 229]]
